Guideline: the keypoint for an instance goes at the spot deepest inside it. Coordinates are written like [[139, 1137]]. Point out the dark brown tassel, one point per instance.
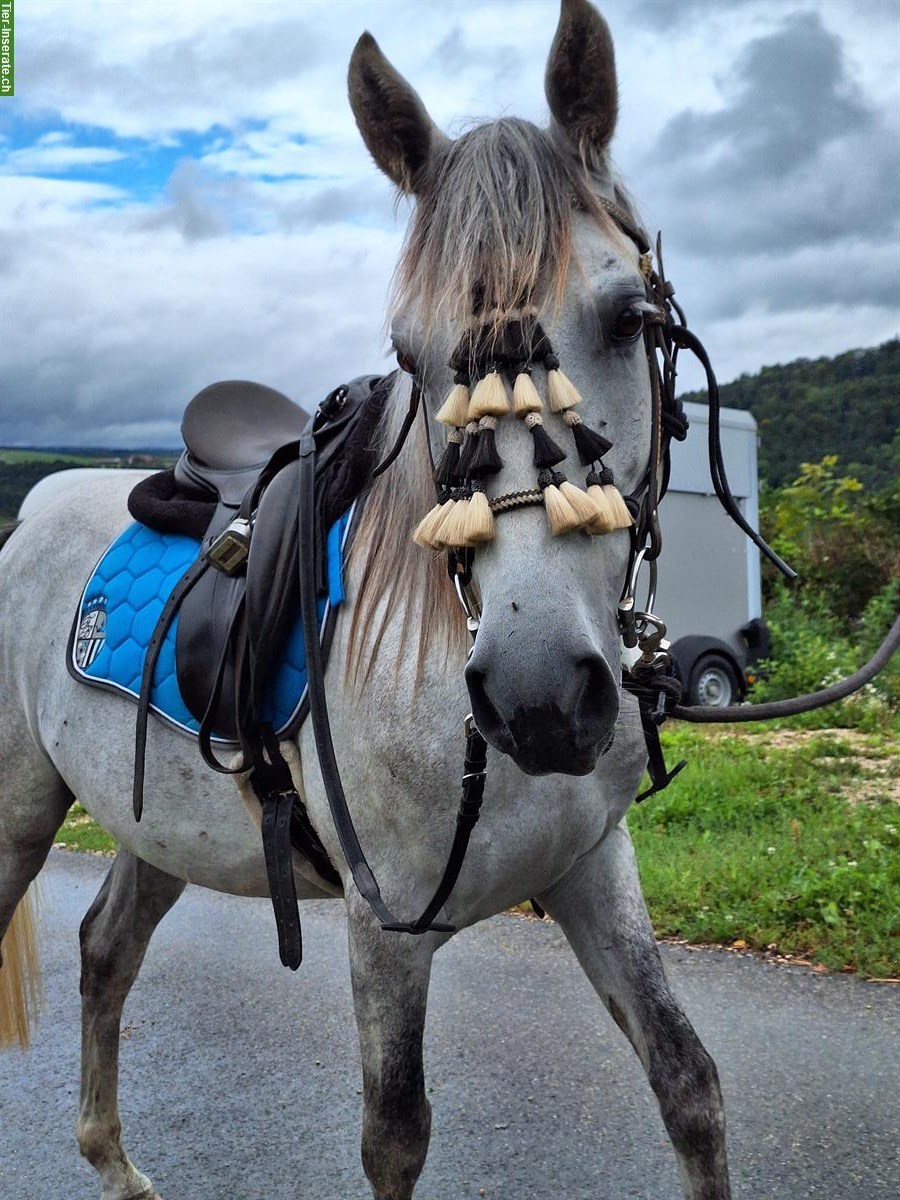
[[447, 469], [546, 451], [591, 446], [486, 461], [468, 451]]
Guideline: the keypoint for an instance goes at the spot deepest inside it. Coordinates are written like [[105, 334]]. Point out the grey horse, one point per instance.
[[506, 210]]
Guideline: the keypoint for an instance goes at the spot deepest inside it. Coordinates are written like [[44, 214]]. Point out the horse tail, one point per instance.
[[20, 976]]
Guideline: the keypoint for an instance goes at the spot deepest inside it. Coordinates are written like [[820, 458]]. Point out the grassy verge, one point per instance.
[[783, 840], [80, 832], [13, 457]]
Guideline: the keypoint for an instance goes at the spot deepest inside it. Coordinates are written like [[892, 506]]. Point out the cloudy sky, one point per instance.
[[185, 197]]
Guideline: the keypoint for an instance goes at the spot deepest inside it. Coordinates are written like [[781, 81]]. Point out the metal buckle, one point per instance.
[[229, 552], [651, 641], [473, 617]]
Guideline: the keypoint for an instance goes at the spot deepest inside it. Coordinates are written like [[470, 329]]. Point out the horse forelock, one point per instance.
[[492, 227]]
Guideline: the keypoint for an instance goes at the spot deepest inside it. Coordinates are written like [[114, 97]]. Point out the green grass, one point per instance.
[[779, 838], [79, 832], [12, 457], [792, 846]]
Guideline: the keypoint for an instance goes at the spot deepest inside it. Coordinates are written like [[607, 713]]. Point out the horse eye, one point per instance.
[[405, 363], [629, 323]]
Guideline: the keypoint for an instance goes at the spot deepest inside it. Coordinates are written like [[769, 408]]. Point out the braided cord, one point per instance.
[[511, 500]]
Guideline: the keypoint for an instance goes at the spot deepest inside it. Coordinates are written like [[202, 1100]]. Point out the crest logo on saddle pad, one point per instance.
[[91, 632]]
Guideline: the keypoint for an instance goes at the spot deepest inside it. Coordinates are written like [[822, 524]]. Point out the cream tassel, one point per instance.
[[561, 516], [454, 409], [479, 520], [526, 398], [617, 514], [582, 504], [452, 531], [489, 397], [604, 521], [561, 391], [426, 532]]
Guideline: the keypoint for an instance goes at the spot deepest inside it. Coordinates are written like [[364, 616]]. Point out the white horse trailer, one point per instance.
[[709, 587]]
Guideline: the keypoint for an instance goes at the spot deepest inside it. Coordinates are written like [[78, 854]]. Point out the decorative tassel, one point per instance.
[[454, 410], [427, 530], [591, 446], [561, 516], [469, 449], [447, 468], [479, 520], [546, 451], [619, 516], [452, 531], [561, 391], [605, 521], [486, 461], [582, 504], [489, 397], [526, 398]]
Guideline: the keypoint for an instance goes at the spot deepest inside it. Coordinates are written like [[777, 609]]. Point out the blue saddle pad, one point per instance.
[[120, 607]]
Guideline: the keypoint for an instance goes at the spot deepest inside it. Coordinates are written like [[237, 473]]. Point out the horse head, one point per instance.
[[513, 267]]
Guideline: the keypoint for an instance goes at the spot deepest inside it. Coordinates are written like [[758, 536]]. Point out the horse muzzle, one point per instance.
[[559, 721]]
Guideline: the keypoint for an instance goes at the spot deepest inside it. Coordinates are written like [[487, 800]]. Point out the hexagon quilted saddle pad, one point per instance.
[[120, 607]]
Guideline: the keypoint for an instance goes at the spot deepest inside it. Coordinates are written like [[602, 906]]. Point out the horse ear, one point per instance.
[[581, 81], [392, 119]]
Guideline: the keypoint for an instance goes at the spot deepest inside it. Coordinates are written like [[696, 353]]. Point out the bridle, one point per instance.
[[650, 678]]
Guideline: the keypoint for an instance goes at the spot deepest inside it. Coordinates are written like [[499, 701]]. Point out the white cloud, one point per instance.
[[54, 157], [269, 255], [27, 201]]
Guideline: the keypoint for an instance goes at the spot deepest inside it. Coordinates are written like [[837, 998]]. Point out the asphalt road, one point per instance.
[[240, 1081]]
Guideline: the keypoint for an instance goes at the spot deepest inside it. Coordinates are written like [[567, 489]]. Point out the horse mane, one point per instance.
[[395, 570], [491, 231]]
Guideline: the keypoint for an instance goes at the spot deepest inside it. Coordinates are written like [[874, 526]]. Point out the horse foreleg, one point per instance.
[[601, 909], [390, 974], [115, 934]]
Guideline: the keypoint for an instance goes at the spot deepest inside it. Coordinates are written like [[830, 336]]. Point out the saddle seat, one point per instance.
[[231, 429]]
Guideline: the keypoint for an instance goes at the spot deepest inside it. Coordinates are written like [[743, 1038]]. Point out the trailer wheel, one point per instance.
[[714, 682]]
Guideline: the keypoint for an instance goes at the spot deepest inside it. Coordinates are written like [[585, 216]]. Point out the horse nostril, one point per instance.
[[597, 705], [490, 724]]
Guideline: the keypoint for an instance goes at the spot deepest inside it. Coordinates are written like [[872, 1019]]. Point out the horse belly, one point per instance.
[[194, 825]]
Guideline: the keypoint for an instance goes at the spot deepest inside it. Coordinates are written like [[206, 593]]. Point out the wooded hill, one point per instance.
[[848, 406]]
